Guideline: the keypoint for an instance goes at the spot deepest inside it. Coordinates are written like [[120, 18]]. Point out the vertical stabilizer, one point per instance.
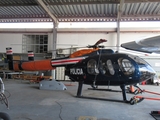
[[30, 56], [9, 54]]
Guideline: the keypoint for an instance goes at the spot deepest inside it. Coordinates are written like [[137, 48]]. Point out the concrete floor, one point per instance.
[[27, 102]]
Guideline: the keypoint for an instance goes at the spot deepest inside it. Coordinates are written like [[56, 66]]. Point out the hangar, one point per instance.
[[62, 16]]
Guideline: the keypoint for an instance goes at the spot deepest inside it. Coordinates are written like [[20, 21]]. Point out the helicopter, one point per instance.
[[93, 66]]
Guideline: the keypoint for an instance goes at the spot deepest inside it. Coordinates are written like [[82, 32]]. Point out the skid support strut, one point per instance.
[[79, 91], [124, 93]]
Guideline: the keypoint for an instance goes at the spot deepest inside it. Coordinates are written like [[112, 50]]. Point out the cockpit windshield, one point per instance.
[[138, 60]]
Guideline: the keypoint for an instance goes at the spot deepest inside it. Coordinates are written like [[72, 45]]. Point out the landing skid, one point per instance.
[[79, 94], [110, 90]]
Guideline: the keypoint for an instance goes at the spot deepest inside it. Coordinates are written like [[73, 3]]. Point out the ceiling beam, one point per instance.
[[123, 19], [18, 4], [120, 7], [79, 2], [140, 1], [108, 16], [141, 16], [24, 16], [80, 18], [41, 3]]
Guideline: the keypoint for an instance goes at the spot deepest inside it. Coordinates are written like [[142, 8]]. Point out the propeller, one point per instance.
[[100, 41], [96, 45]]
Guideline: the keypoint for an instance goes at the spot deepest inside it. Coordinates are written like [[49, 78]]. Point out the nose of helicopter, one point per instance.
[[146, 72]]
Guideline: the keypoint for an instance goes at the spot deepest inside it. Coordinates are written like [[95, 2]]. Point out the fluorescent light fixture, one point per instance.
[[153, 24], [27, 25], [87, 25], [144, 24]]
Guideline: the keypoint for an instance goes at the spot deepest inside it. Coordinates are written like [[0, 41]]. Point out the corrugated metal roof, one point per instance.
[[78, 10], [17, 2]]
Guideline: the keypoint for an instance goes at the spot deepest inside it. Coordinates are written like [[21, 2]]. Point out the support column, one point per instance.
[[55, 25], [120, 8], [118, 34]]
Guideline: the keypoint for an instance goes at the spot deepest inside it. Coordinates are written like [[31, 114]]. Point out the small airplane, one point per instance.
[[94, 66]]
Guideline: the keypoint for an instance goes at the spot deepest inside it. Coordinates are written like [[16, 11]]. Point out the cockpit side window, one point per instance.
[[92, 67], [106, 67], [126, 66]]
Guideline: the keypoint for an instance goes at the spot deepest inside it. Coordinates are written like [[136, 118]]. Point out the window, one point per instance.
[[92, 67], [110, 67], [138, 60], [126, 66], [105, 67], [35, 43]]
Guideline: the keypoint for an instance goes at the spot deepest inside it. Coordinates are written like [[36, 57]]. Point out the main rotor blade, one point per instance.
[[100, 41]]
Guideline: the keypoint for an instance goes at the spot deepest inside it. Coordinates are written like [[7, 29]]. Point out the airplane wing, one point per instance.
[[148, 45]]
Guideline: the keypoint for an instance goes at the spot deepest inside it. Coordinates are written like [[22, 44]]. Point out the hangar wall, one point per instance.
[[83, 39], [11, 40], [74, 39], [66, 39]]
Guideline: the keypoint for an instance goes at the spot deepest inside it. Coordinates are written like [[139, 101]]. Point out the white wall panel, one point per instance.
[[11, 40], [79, 39], [66, 40]]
